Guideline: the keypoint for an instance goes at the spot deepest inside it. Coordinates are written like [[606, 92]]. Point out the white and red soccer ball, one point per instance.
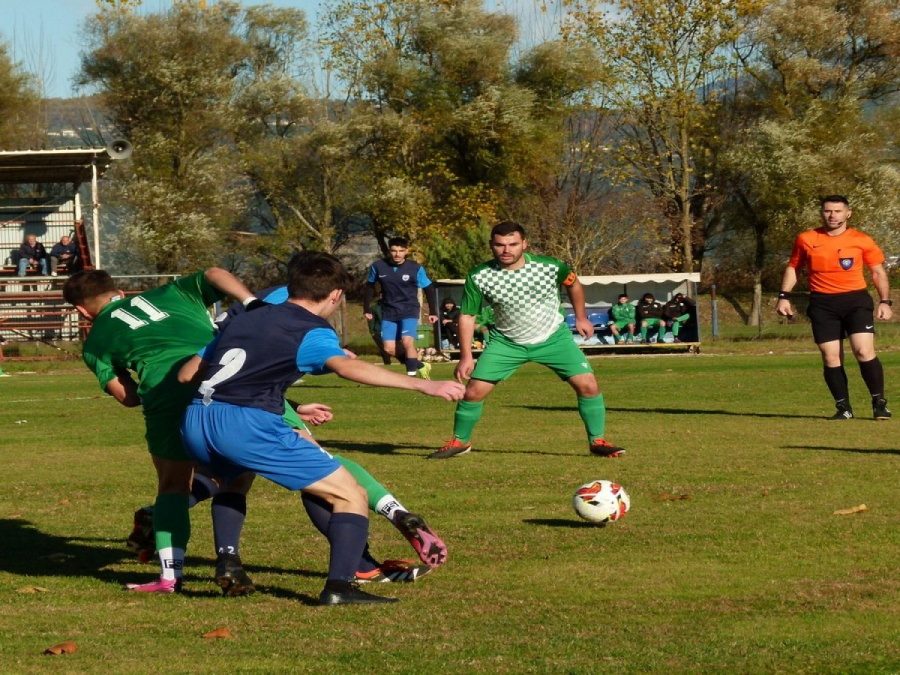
[[601, 501]]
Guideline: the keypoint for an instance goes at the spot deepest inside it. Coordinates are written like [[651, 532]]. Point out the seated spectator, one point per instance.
[[32, 252], [64, 251], [676, 313], [450, 323], [622, 317], [649, 314]]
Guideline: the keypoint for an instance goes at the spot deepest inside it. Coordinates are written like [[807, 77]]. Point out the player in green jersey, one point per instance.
[[152, 334], [621, 317], [523, 291]]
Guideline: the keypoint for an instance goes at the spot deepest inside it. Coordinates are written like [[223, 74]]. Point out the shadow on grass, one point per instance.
[[28, 552], [562, 522], [373, 448], [671, 411], [859, 451]]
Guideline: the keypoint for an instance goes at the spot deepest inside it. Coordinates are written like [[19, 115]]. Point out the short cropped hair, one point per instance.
[[833, 198], [648, 296], [398, 241], [507, 227], [87, 284], [313, 275], [622, 295]]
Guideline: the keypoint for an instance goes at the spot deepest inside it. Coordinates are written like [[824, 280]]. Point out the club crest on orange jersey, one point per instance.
[[846, 263]]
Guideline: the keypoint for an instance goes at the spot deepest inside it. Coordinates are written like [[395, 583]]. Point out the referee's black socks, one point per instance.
[[836, 379], [873, 375]]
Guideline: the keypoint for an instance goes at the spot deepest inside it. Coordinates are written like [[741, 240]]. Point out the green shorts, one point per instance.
[[653, 323], [502, 357], [163, 434], [624, 323]]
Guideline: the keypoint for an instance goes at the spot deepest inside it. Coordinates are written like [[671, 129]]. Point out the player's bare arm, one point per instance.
[[229, 284], [124, 390], [466, 334], [192, 371], [788, 281], [883, 311], [583, 325], [366, 373]]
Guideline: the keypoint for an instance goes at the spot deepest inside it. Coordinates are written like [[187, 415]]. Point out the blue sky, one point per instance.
[[44, 35]]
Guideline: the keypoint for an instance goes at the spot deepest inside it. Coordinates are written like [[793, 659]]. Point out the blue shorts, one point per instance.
[[392, 331], [231, 439]]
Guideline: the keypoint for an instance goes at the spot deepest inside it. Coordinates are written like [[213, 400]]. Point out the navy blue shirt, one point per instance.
[[399, 287], [259, 354]]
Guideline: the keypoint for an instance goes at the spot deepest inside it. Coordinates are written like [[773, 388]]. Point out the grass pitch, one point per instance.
[[731, 559]]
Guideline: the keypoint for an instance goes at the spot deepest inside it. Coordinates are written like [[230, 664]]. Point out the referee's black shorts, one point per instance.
[[834, 316]]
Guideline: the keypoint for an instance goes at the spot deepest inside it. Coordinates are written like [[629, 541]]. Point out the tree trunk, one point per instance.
[[687, 222], [755, 318]]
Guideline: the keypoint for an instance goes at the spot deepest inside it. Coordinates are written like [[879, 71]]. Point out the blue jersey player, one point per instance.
[[400, 280], [235, 424]]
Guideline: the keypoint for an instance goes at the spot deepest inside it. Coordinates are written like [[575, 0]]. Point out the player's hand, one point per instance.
[[464, 368], [349, 354], [445, 389], [369, 316], [315, 413], [884, 312], [432, 318], [584, 327], [783, 308]]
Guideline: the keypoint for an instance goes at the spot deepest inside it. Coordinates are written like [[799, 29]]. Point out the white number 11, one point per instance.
[[135, 322]]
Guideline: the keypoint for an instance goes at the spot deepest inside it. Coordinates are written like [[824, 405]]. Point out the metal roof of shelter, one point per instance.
[[52, 166]]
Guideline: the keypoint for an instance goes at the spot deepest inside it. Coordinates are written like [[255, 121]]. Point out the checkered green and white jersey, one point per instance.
[[525, 300]]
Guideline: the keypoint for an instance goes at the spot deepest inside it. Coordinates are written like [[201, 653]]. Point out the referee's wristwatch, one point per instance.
[[888, 302]]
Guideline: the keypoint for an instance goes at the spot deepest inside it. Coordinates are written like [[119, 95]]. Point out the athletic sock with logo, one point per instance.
[[836, 379], [229, 511], [873, 375], [172, 529]]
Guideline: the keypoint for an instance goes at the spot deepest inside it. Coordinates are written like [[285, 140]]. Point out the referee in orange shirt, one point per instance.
[[839, 303]]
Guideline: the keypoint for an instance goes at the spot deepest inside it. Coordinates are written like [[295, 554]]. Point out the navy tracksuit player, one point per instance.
[[400, 281], [235, 423]]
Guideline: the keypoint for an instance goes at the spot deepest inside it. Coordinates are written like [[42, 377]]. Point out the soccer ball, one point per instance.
[[601, 501]]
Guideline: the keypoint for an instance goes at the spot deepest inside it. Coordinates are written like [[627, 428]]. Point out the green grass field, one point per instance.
[[731, 559]]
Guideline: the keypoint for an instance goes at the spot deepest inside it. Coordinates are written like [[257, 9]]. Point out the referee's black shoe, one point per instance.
[[843, 411], [347, 593], [879, 409]]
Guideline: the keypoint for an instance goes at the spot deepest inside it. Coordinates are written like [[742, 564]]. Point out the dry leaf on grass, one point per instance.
[[62, 648], [32, 589], [851, 510], [222, 633]]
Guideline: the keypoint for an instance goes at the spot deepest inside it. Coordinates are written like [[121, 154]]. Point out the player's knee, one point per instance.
[[585, 386]]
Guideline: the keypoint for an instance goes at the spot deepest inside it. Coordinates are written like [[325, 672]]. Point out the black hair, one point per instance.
[[507, 227], [833, 198], [647, 296], [398, 241], [87, 284], [313, 275], [622, 295]]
